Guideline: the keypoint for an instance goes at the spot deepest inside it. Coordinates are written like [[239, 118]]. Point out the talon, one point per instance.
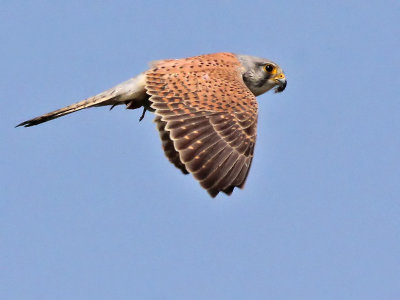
[[143, 113], [114, 105]]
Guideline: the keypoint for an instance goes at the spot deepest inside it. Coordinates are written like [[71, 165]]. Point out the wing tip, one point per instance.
[[213, 192]]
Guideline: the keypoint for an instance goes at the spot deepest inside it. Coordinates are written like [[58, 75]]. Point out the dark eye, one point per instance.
[[269, 68]]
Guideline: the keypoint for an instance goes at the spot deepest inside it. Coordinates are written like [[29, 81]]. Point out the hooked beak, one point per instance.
[[281, 83]]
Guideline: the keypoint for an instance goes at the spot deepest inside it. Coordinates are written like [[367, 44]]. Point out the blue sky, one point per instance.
[[91, 209]]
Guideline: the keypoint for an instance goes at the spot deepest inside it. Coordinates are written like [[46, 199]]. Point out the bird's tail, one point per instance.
[[123, 93], [89, 102]]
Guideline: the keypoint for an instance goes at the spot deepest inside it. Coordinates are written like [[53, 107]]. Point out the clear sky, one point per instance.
[[91, 209]]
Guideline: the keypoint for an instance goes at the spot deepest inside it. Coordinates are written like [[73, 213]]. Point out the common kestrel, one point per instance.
[[206, 112]]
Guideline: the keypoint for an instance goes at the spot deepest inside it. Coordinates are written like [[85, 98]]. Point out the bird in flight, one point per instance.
[[206, 112]]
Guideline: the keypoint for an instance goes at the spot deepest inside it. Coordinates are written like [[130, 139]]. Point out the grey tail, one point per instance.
[[124, 93], [105, 98]]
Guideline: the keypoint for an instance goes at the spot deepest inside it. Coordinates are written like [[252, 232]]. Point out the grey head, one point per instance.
[[260, 74]]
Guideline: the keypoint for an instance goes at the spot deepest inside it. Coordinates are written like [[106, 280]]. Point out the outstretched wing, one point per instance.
[[209, 115]]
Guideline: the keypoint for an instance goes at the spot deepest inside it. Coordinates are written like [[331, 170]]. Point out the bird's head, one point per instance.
[[260, 75]]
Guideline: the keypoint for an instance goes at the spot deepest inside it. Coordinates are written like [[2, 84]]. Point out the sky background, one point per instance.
[[91, 209]]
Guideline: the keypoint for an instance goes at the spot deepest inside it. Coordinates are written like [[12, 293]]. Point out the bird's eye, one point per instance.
[[269, 68]]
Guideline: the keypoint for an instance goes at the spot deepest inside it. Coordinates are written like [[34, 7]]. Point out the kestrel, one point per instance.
[[206, 112]]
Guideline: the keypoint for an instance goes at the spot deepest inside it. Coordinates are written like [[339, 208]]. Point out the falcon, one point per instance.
[[206, 112]]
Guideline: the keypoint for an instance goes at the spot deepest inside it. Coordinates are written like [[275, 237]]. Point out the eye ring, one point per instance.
[[269, 68]]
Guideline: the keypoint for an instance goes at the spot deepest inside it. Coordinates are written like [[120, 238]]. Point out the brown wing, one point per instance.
[[168, 145], [210, 116]]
